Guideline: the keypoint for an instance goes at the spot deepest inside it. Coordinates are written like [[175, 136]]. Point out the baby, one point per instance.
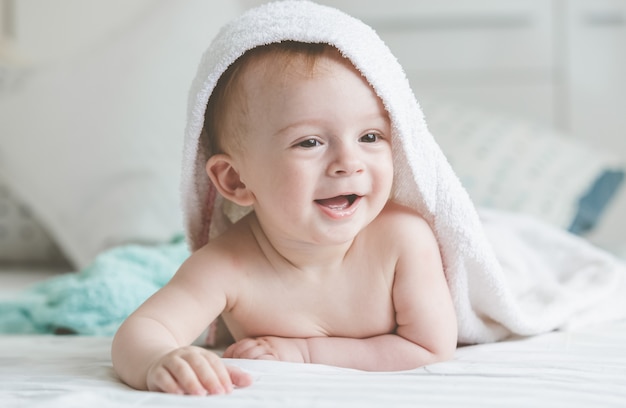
[[325, 268]]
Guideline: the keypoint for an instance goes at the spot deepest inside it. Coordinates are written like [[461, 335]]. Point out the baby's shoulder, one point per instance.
[[399, 227], [400, 218], [222, 258]]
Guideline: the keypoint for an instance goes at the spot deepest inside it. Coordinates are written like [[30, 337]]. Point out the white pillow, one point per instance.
[[93, 145], [517, 165], [22, 239]]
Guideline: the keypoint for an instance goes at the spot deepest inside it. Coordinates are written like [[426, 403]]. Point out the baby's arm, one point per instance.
[[151, 349], [426, 322]]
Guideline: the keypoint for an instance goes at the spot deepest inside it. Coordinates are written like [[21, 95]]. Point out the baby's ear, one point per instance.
[[225, 177]]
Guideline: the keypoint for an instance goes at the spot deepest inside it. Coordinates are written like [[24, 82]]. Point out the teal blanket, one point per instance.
[[96, 300]]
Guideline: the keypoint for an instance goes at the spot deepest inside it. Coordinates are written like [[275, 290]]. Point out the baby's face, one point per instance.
[[317, 153]]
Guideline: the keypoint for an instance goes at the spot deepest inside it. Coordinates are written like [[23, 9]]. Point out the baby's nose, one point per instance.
[[346, 161]]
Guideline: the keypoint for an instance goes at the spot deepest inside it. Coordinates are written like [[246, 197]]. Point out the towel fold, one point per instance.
[[507, 274]]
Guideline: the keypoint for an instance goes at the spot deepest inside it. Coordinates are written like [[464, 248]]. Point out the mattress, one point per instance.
[[579, 368]]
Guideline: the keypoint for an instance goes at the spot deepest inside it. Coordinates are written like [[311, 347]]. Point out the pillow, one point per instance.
[[93, 145], [516, 165], [608, 233], [22, 239]]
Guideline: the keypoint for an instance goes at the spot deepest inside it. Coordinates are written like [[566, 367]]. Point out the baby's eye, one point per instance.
[[370, 138], [309, 143]]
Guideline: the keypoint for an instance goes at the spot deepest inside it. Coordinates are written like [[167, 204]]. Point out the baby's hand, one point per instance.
[[196, 371], [270, 348]]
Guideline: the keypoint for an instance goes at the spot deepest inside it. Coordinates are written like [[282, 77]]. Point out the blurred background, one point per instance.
[[560, 61], [95, 92]]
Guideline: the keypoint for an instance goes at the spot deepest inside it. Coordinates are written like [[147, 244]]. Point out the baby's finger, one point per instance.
[[212, 374], [257, 351], [232, 351], [239, 377], [264, 356], [162, 381], [243, 349], [185, 377]]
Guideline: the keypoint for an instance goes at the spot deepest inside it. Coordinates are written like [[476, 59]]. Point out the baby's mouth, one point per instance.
[[338, 203]]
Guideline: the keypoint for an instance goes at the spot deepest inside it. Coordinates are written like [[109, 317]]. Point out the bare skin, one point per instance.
[[325, 270]]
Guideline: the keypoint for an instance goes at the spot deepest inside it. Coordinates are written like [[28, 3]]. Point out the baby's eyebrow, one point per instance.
[[372, 119], [377, 116], [301, 123]]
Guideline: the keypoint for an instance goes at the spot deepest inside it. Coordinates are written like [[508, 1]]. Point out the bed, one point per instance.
[[575, 369], [578, 368], [99, 195]]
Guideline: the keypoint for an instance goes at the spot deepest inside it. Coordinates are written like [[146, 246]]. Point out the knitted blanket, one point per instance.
[[96, 300]]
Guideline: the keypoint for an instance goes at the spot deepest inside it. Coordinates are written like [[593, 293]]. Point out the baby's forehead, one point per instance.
[[277, 62]]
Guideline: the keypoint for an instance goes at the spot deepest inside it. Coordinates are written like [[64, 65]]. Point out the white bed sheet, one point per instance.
[[582, 368]]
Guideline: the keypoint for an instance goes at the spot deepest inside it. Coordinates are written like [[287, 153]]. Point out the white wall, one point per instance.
[[594, 68], [48, 30]]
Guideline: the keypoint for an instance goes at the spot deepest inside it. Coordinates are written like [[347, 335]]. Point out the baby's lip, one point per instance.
[[340, 202]]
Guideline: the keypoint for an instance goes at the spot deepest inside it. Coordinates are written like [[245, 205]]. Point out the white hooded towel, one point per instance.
[[507, 274]]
